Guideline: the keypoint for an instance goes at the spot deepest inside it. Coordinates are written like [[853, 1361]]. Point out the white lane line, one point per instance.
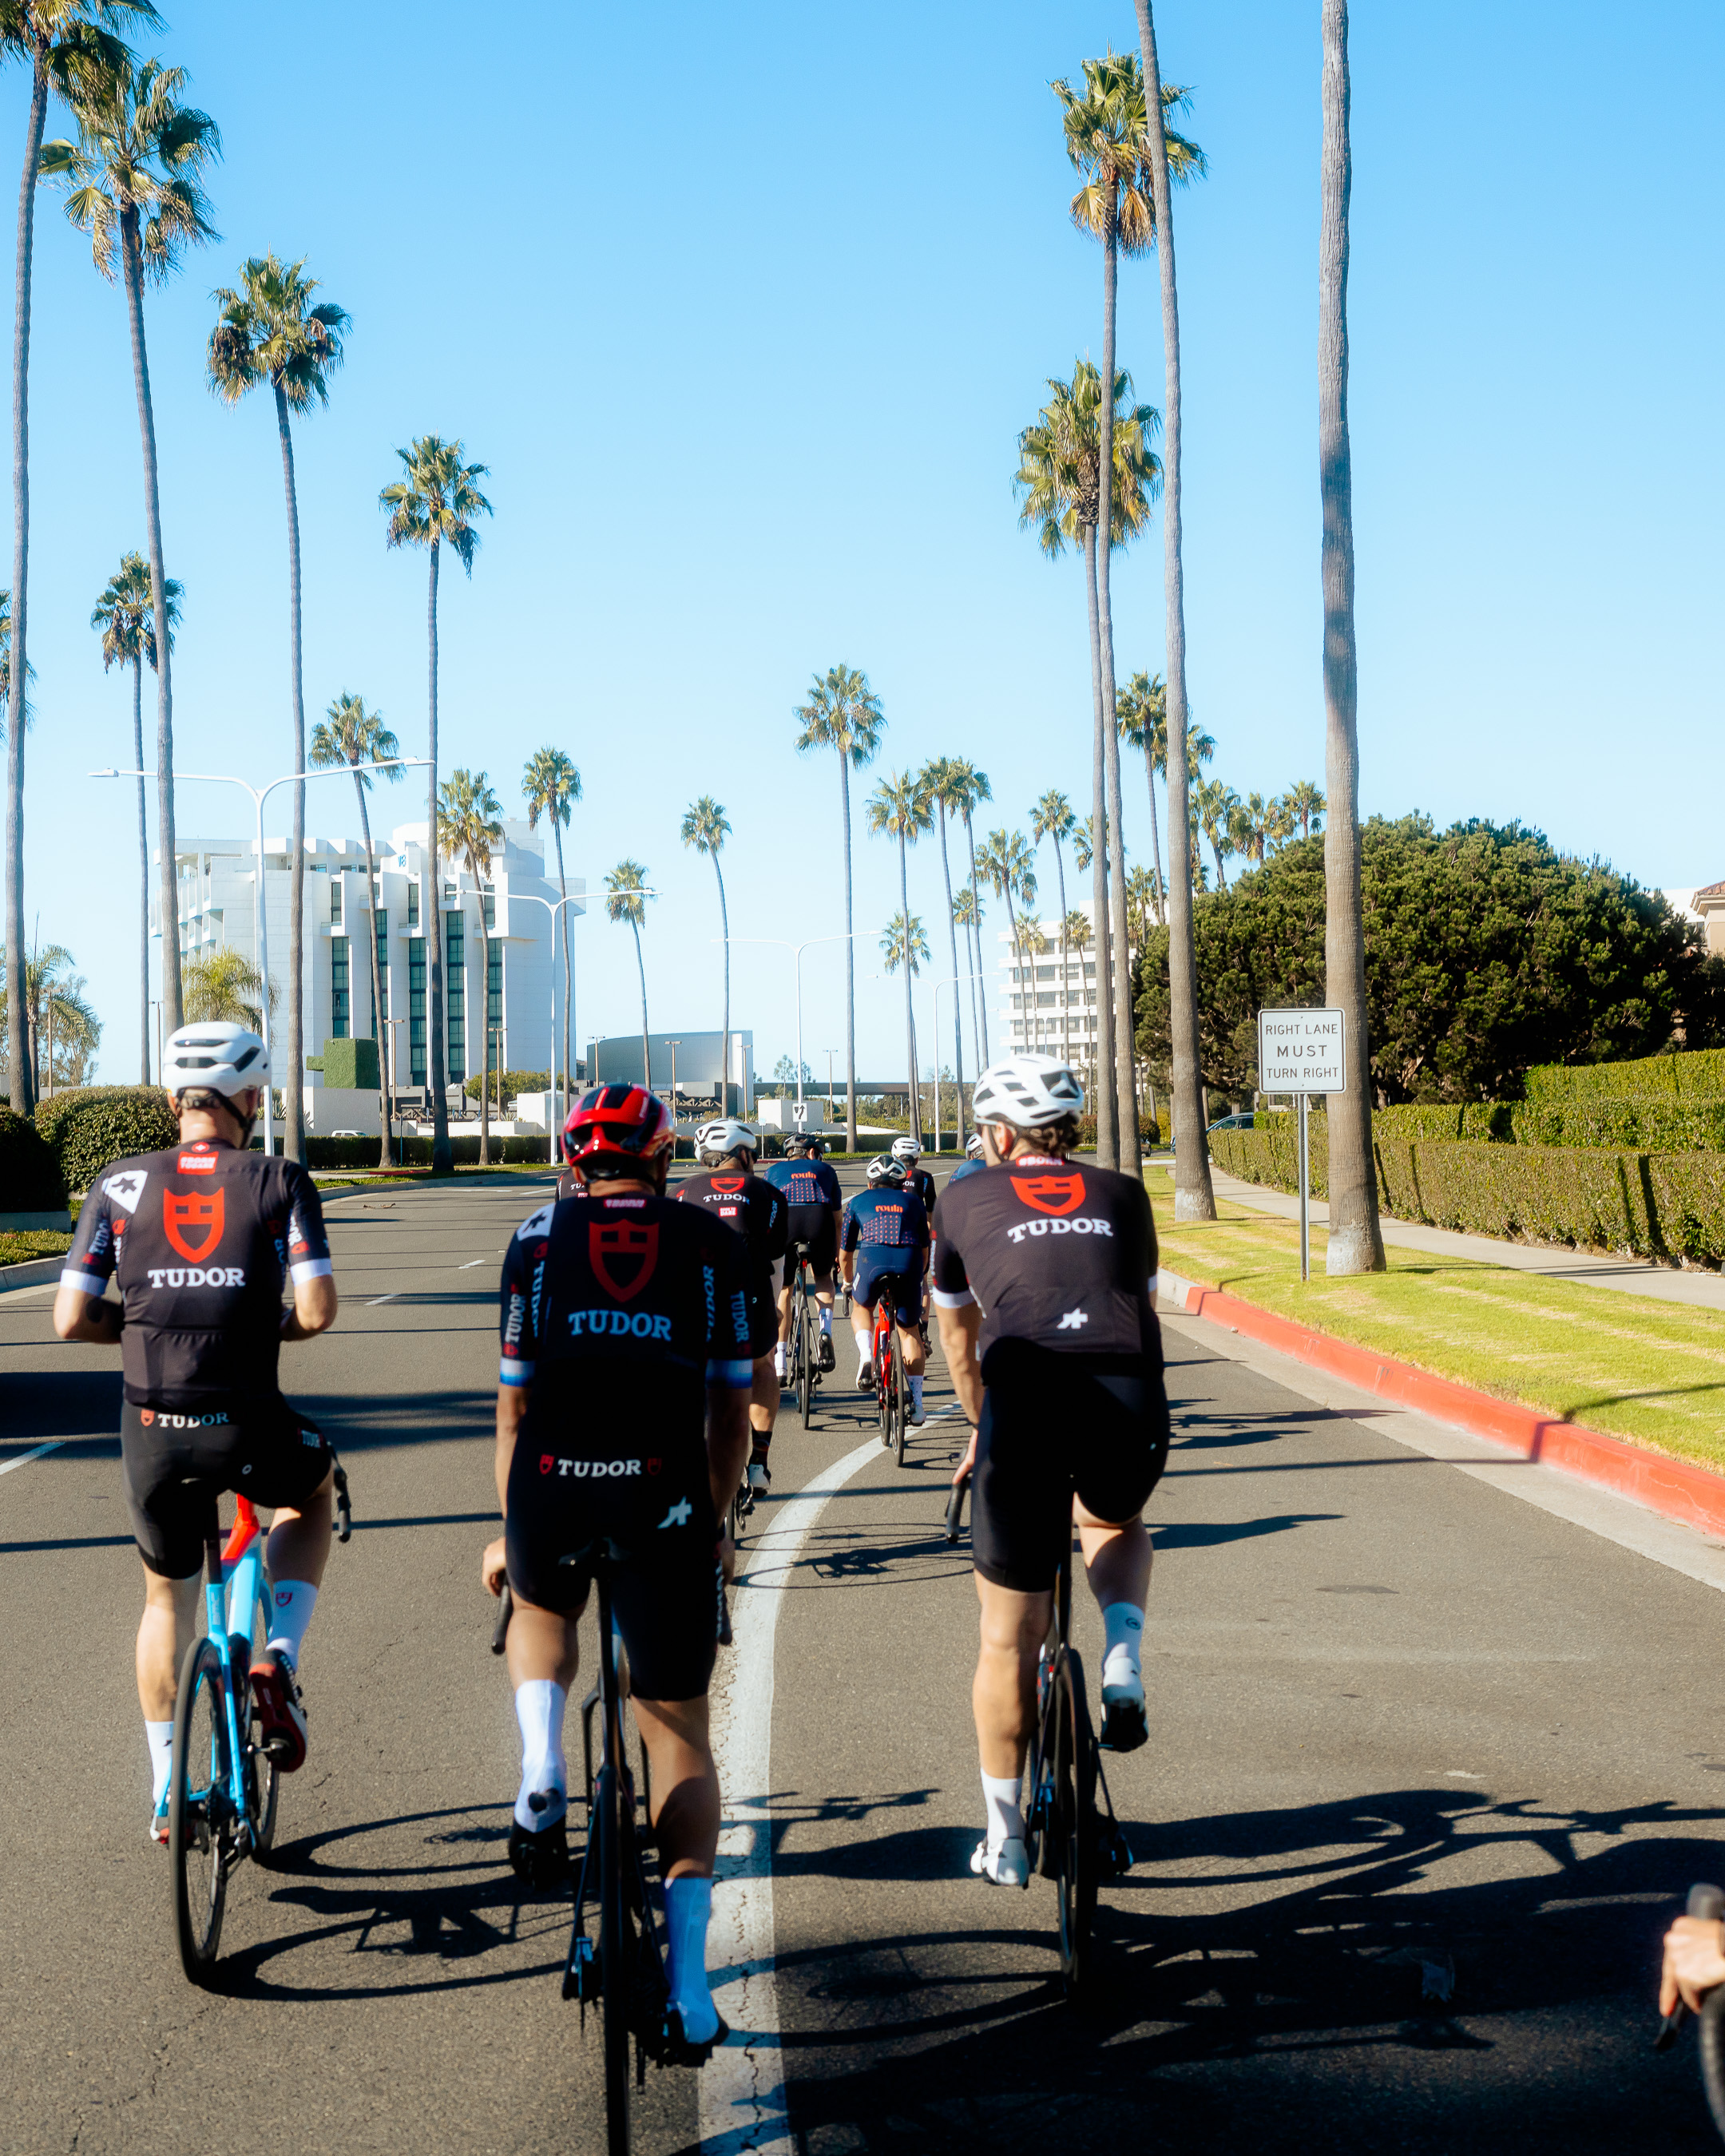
[[376, 1299], [24, 1459], [741, 2087], [471, 1263]]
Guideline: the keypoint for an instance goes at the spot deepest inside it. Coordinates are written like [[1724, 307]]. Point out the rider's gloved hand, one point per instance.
[[1694, 1962]]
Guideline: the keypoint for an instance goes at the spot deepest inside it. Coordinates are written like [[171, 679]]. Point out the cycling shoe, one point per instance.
[[281, 1710], [1126, 1724], [540, 1860], [1008, 1865]]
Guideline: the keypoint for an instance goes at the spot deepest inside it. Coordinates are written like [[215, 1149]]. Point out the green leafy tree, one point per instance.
[[134, 181], [125, 616], [1007, 864], [469, 827], [1216, 804], [223, 983], [1305, 802], [269, 330], [61, 1030], [350, 734], [843, 713], [899, 806], [1052, 818], [551, 786], [706, 827], [626, 900]]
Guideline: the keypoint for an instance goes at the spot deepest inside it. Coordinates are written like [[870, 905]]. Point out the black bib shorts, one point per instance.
[[178, 1462]]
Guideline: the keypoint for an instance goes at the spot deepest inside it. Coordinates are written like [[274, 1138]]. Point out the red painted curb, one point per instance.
[[1672, 1488]]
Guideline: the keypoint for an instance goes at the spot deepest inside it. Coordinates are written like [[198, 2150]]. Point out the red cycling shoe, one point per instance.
[[281, 1710]]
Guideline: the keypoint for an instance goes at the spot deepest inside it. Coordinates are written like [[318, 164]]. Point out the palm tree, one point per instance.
[[965, 791], [1216, 804], [469, 826], [706, 827], [844, 713], [1305, 802], [1078, 937], [58, 1017], [899, 806], [1109, 131], [432, 504], [1195, 1199], [63, 41], [968, 912], [1143, 708], [627, 885], [1052, 817], [552, 785], [268, 330], [1279, 821], [223, 983], [903, 944], [1008, 865], [125, 615], [1142, 893], [135, 183], [352, 735], [1356, 1243], [946, 782], [1060, 480]]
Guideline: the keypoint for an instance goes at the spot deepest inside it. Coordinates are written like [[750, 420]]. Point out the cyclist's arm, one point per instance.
[[727, 1441], [313, 1311], [1694, 1962], [309, 1267], [78, 1314], [730, 1376], [511, 1408], [80, 1310]]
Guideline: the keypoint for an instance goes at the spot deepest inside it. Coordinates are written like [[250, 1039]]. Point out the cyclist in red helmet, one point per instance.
[[623, 1412]]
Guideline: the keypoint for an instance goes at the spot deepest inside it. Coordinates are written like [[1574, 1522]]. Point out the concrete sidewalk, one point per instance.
[[1703, 1291]]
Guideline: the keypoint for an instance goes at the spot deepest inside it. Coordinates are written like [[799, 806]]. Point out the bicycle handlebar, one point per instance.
[[1708, 1904], [955, 1506], [499, 1630]]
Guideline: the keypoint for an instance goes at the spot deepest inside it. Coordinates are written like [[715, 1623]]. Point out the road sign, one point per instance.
[[1300, 1051], [799, 1113]]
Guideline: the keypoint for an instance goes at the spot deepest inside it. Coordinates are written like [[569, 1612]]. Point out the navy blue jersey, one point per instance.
[[969, 1168], [806, 1182], [885, 1218]]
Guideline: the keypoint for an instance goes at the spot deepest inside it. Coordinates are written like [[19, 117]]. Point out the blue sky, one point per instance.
[[744, 311]]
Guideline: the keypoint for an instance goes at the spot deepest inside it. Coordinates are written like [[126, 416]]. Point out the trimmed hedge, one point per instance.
[[30, 1179], [1695, 1077], [1665, 1206], [350, 1065], [89, 1129], [416, 1152]]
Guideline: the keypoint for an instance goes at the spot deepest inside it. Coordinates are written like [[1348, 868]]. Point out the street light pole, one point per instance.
[[674, 1045], [553, 906], [784, 943], [259, 915]]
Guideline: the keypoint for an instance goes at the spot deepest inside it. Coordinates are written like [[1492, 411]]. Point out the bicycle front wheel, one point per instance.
[[616, 1957], [199, 1810], [902, 1397], [1073, 1797]]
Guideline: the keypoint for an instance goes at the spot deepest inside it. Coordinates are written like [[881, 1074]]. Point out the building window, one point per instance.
[[378, 1017], [494, 1007], [416, 1011], [1050, 973], [413, 889], [490, 902], [1048, 999], [339, 1007], [455, 996], [335, 890]]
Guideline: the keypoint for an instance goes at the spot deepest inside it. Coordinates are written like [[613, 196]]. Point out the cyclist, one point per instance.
[[622, 1386], [202, 1239], [730, 1188], [973, 1160], [1042, 1285], [883, 1243], [813, 1197], [907, 1152]]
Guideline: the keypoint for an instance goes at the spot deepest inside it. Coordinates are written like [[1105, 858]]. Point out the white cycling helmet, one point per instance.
[[214, 1057], [1028, 1092], [725, 1134], [973, 1145], [884, 1168], [907, 1150]]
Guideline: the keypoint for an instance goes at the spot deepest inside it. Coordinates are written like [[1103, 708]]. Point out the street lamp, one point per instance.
[[258, 917], [784, 943], [553, 906], [674, 1045], [950, 982]]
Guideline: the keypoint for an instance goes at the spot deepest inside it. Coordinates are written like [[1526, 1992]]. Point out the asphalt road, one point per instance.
[[1410, 1737]]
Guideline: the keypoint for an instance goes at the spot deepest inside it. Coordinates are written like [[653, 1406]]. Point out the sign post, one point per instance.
[[1301, 1052]]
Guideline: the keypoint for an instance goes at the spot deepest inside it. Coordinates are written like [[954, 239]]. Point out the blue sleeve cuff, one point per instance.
[[514, 1373], [90, 1283], [738, 1375]]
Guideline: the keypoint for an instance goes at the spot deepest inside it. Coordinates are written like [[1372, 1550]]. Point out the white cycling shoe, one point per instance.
[[1008, 1865], [759, 1480]]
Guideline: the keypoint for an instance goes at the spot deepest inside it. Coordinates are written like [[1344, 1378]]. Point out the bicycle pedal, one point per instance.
[[1116, 1854], [580, 1973]]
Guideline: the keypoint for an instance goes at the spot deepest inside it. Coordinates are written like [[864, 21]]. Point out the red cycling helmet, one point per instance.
[[618, 1122]]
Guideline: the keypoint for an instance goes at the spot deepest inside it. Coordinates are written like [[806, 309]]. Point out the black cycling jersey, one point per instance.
[[1056, 1252], [919, 1181], [202, 1239], [754, 1206]]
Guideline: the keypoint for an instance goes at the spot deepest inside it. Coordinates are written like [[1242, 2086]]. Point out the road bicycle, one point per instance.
[[802, 1347], [1070, 1839], [225, 1780], [1708, 1904], [623, 1971], [892, 1390]]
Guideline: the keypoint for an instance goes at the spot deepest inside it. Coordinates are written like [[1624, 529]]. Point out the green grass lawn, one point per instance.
[[1653, 1373], [32, 1243]]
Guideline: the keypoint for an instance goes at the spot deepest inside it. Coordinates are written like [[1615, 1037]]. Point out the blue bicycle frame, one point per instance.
[[233, 1591]]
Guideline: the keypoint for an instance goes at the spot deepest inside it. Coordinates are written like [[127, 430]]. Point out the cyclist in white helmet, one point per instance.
[[1042, 1284], [202, 1239], [973, 1161], [728, 1186], [883, 1243]]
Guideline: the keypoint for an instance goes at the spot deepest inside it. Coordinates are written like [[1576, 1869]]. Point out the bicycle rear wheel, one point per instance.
[[616, 1957], [200, 1828], [900, 1393], [1073, 1760], [809, 1328]]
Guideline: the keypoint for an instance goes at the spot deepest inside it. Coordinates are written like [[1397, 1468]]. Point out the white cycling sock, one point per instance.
[[916, 1388], [1006, 1822], [779, 1348], [826, 1315], [688, 1905], [160, 1737], [1123, 1637], [539, 1705], [294, 1601]]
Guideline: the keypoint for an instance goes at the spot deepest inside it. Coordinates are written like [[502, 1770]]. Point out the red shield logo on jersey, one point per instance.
[[623, 1254], [547, 1462], [729, 1182], [1050, 1194], [193, 1224]]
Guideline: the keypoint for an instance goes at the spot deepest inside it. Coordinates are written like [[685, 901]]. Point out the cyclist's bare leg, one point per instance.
[[165, 1632], [763, 1405], [784, 1317], [1117, 1558], [916, 1354], [295, 1557], [1002, 1695], [1117, 1561], [543, 1644], [686, 1784]]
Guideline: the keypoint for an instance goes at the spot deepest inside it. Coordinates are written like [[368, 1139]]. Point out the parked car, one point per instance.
[[1244, 1122]]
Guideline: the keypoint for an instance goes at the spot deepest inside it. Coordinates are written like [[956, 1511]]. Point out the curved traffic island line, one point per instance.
[[1674, 1488]]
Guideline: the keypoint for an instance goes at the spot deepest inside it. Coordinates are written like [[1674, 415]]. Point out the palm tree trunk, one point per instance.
[[1107, 1143], [850, 965], [1119, 970], [18, 714], [904, 914], [1065, 987], [1355, 1243], [1155, 835], [293, 1143], [137, 758], [646, 1045], [473, 869], [167, 876], [379, 1029], [984, 1058], [437, 1057], [563, 914], [725, 931], [957, 1008], [1195, 1199]]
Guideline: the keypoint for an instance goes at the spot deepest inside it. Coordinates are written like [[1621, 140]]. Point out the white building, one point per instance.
[[1037, 1009], [522, 1001]]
